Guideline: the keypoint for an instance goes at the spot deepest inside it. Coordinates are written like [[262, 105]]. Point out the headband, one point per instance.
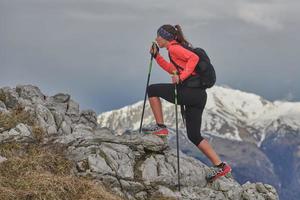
[[165, 34]]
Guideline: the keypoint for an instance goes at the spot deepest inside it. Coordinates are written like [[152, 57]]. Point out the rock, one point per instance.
[[149, 170], [132, 186], [191, 193], [143, 142], [61, 98], [152, 143], [110, 181], [82, 166], [31, 93], [141, 195], [58, 103], [73, 111], [271, 189], [21, 132], [114, 159], [224, 184], [57, 107], [89, 118], [58, 117], [165, 191], [252, 191], [11, 97], [120, 158], [98, 164], [261, 188], [65, 128], [2, 107], [45, 119], [63, 122], [82, 129], [163, 169]]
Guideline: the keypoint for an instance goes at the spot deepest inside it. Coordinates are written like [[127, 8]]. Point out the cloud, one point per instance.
[[90, 16], [261, 15], [96, 48], [271, 14]]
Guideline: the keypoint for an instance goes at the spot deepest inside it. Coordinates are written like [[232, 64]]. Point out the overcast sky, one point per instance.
[[97, 50]]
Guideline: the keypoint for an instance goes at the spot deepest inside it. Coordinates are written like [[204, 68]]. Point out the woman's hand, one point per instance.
[[154, 49], [175, 79]]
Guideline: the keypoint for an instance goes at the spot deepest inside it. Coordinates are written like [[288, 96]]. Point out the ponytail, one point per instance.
[[180, 37]]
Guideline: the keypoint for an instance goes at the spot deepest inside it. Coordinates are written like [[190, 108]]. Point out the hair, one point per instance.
[[177, 31]]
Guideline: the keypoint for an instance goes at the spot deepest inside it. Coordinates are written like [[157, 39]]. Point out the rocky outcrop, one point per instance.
[[134, 166]]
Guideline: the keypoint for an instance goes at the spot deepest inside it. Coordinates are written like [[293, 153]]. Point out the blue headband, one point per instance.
[[165, 34]]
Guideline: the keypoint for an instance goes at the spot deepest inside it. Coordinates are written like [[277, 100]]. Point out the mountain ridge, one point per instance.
[[225, 107]]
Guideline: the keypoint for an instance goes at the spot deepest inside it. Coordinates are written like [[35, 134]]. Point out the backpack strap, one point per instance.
[[172, 61], [177, 66]]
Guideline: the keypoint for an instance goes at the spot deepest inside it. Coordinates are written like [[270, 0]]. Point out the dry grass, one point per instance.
[[10, 149], [42, 173], [14, 117], [38, 133], [47, 186], [2, 96]]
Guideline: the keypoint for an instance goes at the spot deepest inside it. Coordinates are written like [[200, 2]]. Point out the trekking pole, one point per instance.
[[177, 137], [149, 73]]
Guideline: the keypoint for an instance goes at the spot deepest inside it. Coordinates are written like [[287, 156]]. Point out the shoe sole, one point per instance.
[[225, 173], [159, 135]]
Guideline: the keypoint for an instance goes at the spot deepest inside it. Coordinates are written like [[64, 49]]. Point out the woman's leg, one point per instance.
[[193, 126], [155, 91], [156, 109], [207, 149]]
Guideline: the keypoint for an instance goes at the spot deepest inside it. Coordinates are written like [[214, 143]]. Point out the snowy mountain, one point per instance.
[[229, 113]]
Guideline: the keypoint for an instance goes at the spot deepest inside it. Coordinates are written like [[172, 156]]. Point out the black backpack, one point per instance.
[[205, 73]]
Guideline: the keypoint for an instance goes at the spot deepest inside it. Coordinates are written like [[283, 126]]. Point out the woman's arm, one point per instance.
[[167, 66]]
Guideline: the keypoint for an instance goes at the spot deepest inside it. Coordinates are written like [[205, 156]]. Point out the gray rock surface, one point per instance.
[[2, 107], [21, 132], [31, 93], [11, 96]]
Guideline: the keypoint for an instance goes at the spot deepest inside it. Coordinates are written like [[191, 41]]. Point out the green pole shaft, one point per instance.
[[177, 137], [145, 97]]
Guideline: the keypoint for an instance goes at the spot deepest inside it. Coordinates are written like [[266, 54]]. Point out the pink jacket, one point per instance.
[[182, 57]]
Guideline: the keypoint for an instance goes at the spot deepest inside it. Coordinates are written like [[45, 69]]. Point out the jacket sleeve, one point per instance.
[[167, 66], [190, 57]]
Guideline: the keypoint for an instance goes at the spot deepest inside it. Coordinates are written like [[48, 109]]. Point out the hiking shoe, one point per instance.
[[218, 171], [159, 130]]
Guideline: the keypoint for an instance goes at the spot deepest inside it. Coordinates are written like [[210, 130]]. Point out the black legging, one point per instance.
[[194, 100]]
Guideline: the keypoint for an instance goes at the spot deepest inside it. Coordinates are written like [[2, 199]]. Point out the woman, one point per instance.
[[194, 99]]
